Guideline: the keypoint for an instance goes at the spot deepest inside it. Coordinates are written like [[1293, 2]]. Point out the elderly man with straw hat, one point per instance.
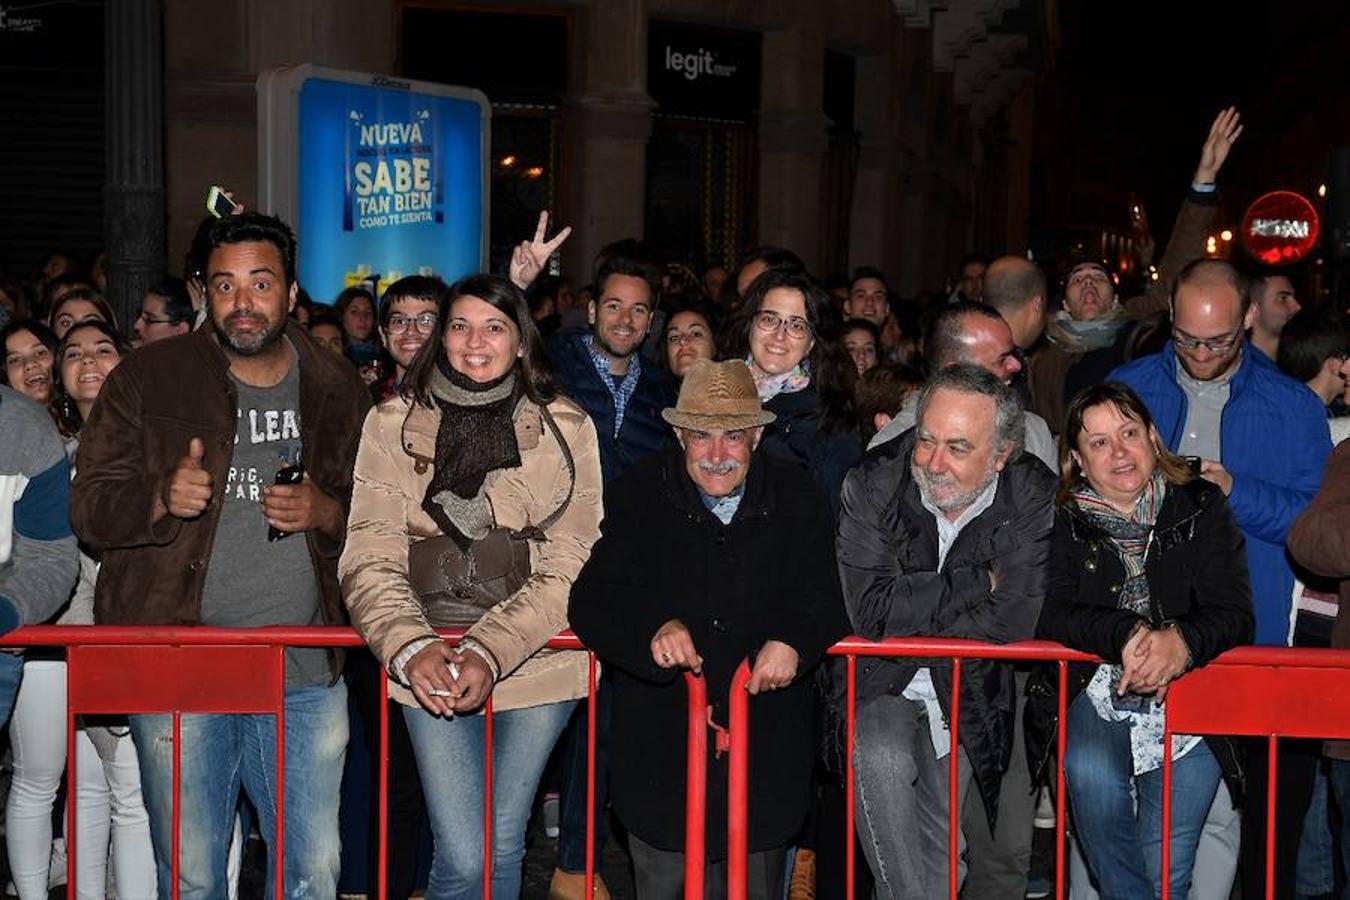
[[710, 554]]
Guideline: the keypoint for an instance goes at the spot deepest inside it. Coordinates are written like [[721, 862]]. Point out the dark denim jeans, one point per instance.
[[1118, 815], [572, 792]]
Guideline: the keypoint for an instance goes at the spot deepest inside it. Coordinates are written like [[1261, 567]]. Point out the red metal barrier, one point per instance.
[[1256, 691], [1259, 691], [122, 670]]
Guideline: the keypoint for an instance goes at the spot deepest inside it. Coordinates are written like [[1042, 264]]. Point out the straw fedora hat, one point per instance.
[[718, 396]]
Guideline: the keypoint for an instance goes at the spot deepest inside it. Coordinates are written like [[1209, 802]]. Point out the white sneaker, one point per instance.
[[1045, 810], [551, 816]]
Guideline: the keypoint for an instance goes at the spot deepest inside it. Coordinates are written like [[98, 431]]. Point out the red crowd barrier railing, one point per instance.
[[1269, 692], [199, 670]]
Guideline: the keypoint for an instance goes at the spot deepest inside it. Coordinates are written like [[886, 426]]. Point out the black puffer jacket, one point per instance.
[[768, 575], [989, 588], [1197, 577]]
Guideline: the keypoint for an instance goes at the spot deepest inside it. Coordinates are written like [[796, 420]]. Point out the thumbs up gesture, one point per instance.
[[188, 491]]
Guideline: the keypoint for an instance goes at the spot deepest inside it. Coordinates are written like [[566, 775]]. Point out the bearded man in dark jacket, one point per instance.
[[944, 532]]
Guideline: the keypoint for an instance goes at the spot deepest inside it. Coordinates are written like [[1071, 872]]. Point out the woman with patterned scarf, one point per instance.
[[1148, 572], [476, 501], [788, 334]]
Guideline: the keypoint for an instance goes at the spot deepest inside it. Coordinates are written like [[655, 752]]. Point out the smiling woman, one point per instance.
[[1148, 572], [787, 332], [475, 459], [88, 352], [30, 351]]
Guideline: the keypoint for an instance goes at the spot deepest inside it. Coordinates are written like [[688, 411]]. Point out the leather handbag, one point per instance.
[[459, 583]]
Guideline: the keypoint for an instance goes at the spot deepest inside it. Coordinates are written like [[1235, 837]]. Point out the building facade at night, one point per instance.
[[887, 132]]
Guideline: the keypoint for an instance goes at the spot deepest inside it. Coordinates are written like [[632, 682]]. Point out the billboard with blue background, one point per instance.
[[388, 176]]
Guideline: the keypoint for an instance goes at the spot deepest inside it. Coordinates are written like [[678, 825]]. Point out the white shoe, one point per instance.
[[56, 875], [1045, 810]]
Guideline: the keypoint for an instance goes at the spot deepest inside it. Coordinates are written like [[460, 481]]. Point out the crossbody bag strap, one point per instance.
[[537, 532]]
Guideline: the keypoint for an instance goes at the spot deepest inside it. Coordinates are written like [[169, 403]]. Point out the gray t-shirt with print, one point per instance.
[[250, 581]]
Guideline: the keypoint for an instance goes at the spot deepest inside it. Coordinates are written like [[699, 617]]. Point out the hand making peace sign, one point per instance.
[[528, 259]]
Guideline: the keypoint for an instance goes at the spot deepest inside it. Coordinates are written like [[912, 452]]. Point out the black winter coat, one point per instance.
[[643, 431], [768, 575], [1196, 567], [796, 436], [989, 588]]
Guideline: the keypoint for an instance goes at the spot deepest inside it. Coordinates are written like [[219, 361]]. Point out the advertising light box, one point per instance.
[[380, 177]]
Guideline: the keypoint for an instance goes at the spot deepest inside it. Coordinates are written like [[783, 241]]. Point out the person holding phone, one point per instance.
[[475, 504], [175, 488], [1147, 571]]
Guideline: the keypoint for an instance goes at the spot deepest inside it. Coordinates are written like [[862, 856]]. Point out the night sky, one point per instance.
[[1135, 86]]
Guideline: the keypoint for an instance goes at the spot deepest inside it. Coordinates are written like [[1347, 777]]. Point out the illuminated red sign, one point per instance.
[[1280, 228]]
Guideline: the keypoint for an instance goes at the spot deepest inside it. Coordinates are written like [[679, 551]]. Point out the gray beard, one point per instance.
[[954, 504]]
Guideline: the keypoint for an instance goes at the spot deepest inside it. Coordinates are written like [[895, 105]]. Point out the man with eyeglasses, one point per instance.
[[1262, 437], [166, 311], [409, 313], [1095, 331]]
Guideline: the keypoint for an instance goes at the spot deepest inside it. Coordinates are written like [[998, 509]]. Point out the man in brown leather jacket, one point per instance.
[[180, 488]]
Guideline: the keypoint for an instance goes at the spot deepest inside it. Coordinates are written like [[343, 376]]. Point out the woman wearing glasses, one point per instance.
[[786, 331], [407, 318]]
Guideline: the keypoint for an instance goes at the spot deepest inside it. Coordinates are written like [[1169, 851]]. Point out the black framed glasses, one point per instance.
[[1221, 344], [424, 322]]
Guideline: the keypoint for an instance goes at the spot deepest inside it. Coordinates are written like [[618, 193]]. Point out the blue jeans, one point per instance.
[[450, 754], [1121, 833], [1316, 870], [11, 673], [222, 752], [1339, 778], [903, 790]]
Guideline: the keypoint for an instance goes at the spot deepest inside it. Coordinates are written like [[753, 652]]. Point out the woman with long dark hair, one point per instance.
[[787, 332], [110, 810], [476, 501]]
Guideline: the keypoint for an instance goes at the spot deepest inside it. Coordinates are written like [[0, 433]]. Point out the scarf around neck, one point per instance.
[[476, 436], [1074, 336], [770, 386]]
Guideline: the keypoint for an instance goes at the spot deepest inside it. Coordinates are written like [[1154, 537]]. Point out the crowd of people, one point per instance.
[[688, 471]]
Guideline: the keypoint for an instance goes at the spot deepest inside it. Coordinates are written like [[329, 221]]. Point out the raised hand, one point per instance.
[[1222, 135], [529, 257], [187, 492]]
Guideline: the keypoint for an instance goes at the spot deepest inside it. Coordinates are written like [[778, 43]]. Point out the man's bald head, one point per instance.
[[1203, 276], [1016, 288]]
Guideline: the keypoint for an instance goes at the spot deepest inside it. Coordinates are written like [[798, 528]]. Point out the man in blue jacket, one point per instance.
[[624, 393], [1262, 437]]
